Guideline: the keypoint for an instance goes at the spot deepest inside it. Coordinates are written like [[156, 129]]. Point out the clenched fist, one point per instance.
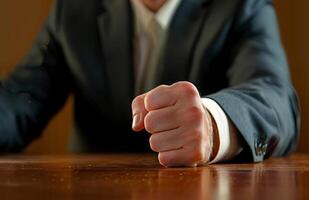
[[182, 131]]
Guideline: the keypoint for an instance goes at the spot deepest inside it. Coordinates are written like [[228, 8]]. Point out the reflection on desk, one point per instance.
[[139, 176]]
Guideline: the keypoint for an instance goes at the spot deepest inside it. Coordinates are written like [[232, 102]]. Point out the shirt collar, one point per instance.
[[163, 16]]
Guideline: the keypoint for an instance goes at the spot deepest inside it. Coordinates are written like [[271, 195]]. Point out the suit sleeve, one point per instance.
[[35, 91], [260, 101]]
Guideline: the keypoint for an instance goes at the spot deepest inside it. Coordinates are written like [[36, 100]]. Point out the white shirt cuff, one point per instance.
[[228, 140]]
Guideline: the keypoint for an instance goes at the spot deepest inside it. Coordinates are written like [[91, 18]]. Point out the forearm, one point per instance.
[[226, 141], [34, 91], [268, 128]]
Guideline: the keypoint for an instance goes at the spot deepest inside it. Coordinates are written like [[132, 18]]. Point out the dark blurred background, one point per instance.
[[21, 20]]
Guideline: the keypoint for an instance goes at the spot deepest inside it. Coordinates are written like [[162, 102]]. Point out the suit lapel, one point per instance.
[[218, 23], [116, 30], [181, 41]]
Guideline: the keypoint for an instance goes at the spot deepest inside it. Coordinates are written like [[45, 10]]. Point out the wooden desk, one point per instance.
[[133, 176]]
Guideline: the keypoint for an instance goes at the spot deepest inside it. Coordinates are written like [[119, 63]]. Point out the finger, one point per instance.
[[161, 120], [138, 112], [167, 141], [186, 156], [186, 89], [160, 97]]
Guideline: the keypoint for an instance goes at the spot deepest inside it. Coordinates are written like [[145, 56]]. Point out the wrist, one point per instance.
[[214, 136]]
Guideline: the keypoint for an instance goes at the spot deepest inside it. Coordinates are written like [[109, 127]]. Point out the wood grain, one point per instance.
[[139, 176]]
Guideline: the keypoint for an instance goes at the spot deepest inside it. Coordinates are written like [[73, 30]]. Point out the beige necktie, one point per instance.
[[148, 75]]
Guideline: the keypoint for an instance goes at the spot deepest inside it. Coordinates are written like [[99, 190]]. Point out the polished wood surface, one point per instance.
[[139, 176]]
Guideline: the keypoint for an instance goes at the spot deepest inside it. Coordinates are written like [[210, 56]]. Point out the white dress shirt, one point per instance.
[[146, 47]]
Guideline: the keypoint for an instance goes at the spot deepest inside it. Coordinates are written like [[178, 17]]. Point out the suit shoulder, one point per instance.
[[242, 10], [249, 7], [240, 7]]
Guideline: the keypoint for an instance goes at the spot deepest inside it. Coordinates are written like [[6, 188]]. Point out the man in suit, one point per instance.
[[208, 79]]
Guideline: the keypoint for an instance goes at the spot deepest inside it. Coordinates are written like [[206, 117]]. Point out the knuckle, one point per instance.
[[163, 159], [162, 88], [188, 89], [195, 113], [137, 101], [152, 97], [149, 101], [153, 143], [149, 123]]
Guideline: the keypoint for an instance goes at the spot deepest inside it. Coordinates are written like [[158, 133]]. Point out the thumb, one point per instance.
[[139, 112]]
